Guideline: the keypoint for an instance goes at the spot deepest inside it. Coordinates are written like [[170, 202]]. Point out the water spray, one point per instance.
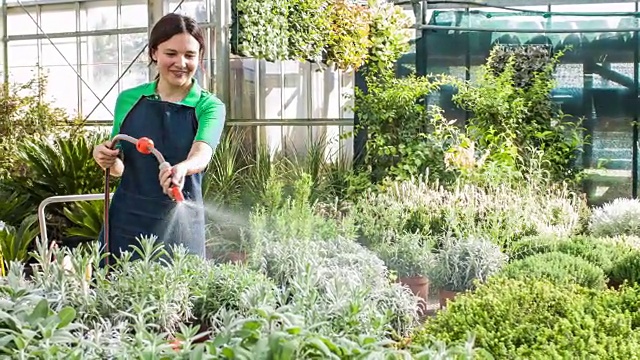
[[145, 146]]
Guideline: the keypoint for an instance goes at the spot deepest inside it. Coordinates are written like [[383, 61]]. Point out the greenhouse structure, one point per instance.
[[93, 49]]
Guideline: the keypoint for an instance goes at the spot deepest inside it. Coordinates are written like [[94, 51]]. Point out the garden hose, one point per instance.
[[145, 146]]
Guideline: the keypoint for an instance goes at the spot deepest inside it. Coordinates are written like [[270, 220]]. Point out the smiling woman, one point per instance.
[[185, 123]]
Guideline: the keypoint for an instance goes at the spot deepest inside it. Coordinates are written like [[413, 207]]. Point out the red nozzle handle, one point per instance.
[[177, 194], [144, 145]]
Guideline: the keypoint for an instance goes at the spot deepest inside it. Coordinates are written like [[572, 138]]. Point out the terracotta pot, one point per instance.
[[445, 296], [419, 285]]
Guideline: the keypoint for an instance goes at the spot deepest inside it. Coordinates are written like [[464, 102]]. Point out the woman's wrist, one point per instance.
[[117, 168]]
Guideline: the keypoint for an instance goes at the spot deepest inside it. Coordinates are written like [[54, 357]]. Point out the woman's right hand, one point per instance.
[[104, 155]]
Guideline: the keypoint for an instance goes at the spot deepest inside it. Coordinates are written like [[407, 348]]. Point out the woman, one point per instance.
[[185, 123]]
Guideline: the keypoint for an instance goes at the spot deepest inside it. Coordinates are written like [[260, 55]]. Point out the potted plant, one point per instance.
[[408, 256], [228, 243], [460, 263]]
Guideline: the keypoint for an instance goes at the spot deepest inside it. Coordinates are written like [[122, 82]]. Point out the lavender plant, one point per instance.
[[618, 217]]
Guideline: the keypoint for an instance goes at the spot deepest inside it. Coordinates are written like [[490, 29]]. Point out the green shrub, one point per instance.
[[408, 256], [500, 213], [233, 287], [531, 245], [561, 269], [536, 319], [337, 283], [25, 116], [626, 269], [597, 251], [259, 29], [460, 264]]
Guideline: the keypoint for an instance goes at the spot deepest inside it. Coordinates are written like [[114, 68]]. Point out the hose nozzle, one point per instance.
[[175, 191]]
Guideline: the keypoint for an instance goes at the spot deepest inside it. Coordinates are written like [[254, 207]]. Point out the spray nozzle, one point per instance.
[[177, 194], [145, 145], [175, 191]]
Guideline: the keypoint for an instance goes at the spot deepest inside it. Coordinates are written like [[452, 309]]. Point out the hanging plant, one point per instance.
[[309, 28], [349, 37], [259, 29], [389, 36]]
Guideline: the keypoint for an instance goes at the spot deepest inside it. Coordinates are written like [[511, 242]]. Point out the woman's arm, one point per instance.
[[124, 103], [198, 158], [211, 114]]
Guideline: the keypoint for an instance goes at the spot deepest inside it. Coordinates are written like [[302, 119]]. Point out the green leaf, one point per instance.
[[41, 311], [66, 316]]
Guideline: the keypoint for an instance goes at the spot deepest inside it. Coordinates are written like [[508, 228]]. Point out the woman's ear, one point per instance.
[[154, 58]]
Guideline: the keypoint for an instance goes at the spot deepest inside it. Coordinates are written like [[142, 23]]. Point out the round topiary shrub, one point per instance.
[[561, 269], [627, 269], [536, 319], [531, 245], [594, 250]]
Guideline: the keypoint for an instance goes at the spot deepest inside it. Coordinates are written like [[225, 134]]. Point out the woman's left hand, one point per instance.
[[172, 176]]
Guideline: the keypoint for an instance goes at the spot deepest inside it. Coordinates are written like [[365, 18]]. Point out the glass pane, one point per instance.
[[326, 93], [346, 145], [100, 78], [273, 136], [21, 24], [100, 49], [134, 15], [98, 15], [61, 49], [62, 88], [131, 45], [242, 90], [22, 75], [346, 95], [22, 53], [296, 88], [136, 75], [196, 9], [272, 93], [57, 20]]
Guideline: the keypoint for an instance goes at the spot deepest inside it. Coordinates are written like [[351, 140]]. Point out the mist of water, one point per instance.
[[224, 228]]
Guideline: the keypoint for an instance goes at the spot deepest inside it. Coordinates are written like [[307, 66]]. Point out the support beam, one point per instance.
[[157, 9], [614, 76], [4, 55], [222, 39]]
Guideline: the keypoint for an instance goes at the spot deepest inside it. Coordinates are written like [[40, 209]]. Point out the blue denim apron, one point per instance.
[[139, 207]]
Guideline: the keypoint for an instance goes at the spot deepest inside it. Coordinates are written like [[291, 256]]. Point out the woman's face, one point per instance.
[[177, 59]]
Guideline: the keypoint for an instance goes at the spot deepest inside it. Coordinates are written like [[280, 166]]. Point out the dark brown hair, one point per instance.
[[174, 24]]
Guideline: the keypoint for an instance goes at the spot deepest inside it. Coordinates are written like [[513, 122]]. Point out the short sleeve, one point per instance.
[[124, 103], [211, 115]]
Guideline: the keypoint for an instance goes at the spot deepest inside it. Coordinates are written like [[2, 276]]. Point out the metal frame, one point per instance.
[[42, 216], [423, 30], [218, 74]]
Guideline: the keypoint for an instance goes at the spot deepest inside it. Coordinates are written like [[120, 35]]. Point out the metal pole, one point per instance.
[[61, 199], [634, 149], [222, 26], [5, 44]]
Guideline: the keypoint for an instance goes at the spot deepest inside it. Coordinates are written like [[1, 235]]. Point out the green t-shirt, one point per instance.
[[210, 111]]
